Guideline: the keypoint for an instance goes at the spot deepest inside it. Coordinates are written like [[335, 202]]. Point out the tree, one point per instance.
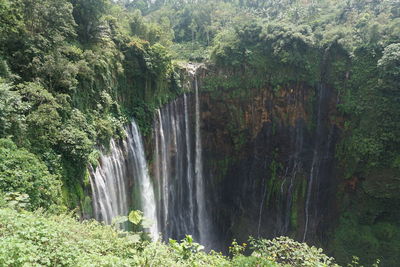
[[11, 19], [390, 62], [88, 14], [23, 172], [42, 118], [12, 109]]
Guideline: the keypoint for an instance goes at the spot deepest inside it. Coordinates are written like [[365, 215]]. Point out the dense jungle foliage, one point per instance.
[[40, 239], [73, 72]]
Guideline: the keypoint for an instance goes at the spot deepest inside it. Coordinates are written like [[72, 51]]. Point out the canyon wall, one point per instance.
[[270, 161]]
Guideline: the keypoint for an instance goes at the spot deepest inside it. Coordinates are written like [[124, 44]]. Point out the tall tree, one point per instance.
[[87, 14]]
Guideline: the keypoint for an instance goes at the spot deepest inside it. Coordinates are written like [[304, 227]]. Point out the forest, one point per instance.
[[251, 132]]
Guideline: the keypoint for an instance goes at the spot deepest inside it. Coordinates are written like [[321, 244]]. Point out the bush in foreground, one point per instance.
[[39, 239]]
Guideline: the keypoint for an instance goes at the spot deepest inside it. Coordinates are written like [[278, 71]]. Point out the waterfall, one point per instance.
[[261, 207], [313, 174], [321, 148], [178, 168], [112, 181], [176, 203], [109, 185], [201, 209], [140, 170], [189, 170], [292, 169], [173, 172]]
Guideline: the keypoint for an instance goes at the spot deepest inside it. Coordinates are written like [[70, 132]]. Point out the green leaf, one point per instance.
[[135, 217], [189, 239]]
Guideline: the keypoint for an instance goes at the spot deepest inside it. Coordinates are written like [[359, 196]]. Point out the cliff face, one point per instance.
[[269, 161], [271, 167]]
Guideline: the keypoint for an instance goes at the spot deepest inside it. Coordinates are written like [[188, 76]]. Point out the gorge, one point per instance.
[[181, 198], [156, 132]]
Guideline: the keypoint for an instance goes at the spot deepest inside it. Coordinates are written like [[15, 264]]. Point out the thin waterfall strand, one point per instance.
[[202, 214], [189, 170]]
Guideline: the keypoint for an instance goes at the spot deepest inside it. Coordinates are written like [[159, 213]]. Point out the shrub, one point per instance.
[[31, 239], [284, 250]]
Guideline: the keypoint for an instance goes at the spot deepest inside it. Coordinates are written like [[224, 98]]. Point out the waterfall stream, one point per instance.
[[320, 149], [178, 168], [140, 170], [201, 209], [112, 181], [173, 171], [110, 185]]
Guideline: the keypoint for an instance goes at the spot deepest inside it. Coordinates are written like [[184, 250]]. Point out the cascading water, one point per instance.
[[112, 181], [202, 214], [293, 168], [321, 154], [321, 166], [180, 183], [141, 173], [110, 185]]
